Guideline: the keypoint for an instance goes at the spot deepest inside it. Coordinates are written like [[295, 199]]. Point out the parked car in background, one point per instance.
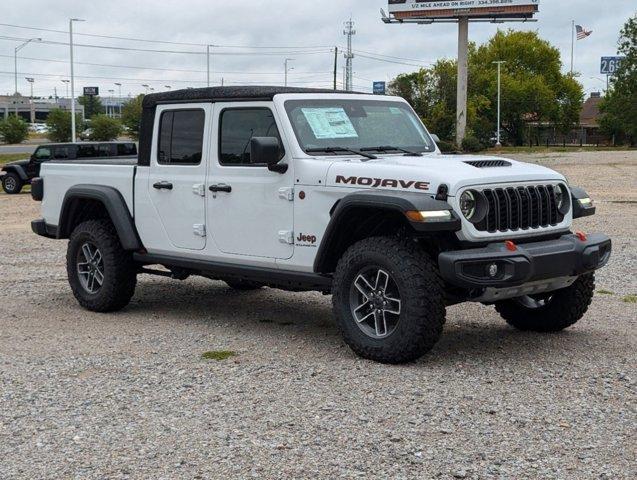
[[17, 174]]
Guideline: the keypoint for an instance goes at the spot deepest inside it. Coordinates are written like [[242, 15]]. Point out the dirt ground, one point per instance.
[[128, 395]]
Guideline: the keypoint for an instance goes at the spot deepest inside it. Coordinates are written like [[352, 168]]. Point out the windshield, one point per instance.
[[356, 125]]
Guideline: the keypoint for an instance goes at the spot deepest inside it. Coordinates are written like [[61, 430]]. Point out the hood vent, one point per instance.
[[488, 163]]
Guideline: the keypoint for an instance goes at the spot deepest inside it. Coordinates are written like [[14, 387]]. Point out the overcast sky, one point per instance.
[[307, 29]]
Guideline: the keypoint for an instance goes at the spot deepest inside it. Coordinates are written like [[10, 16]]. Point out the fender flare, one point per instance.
[[115, 205], [401, 202], [18, 170]]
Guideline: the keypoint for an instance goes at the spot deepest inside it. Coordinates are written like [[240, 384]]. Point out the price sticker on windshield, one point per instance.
[[329, 123]]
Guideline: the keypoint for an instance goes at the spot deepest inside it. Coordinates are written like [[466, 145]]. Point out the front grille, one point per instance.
[[520, 208]]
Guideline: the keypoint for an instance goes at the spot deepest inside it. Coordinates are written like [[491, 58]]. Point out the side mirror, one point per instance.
[[267, 151], [435, 137]]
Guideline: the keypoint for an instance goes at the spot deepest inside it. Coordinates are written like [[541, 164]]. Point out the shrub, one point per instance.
[[471, 144], [105, 128], [13, 130], [59, 125], [447, 147], [132, 116]]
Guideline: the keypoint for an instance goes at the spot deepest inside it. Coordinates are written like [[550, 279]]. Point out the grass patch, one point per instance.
[[605, 292], [218, 355], [630, 299]]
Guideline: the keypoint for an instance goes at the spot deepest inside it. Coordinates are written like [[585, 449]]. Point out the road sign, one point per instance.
[[610, 65], [91, 91], [409, 9], [379, 88]]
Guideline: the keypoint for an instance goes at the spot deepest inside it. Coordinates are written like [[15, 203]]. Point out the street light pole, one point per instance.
[[499, 63], [15, 65], [287, 69], [66, 83], [71, 20], [119, 97], [32, 110]]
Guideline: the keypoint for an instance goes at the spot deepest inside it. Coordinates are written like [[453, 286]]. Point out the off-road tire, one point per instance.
[[244, 285], [420, 287], [12, 183], [120, 276], [564, 309]]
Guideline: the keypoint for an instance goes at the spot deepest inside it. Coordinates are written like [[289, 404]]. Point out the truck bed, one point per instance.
[[60, 176]]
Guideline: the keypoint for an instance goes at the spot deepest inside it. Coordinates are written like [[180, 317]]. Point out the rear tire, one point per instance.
[[553, 312], [11, 183], [101, 273], [396, 283]]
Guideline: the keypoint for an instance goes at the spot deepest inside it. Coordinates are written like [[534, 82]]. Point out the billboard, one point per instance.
[[610, 65], [91, 91], [410, 9]]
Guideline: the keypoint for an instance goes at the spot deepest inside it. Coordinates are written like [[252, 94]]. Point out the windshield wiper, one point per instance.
[[389, 148], [340, 149]]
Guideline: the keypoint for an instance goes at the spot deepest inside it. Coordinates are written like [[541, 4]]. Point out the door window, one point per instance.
[[62, 153], [181, 137], [86, 151], [238, 126], [104, 150], [43, 153]]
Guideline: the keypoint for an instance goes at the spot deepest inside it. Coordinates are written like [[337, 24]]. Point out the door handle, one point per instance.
[[163, 186], [220, 188]]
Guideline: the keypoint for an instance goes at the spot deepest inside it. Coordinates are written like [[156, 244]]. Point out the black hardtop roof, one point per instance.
[[211, 94]]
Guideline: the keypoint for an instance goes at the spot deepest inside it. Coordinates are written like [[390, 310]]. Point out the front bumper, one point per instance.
[[497, 266]]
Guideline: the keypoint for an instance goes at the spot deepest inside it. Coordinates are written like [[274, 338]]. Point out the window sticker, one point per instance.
[[329, 123]]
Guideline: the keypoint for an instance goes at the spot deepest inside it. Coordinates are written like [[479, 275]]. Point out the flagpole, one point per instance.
[[572, 43]]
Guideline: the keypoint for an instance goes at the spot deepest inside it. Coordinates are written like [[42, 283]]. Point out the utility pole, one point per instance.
[[208, 52], [335, 65], [71, 20], [287, 69], [349, 56], [499, 63], [463, 79]]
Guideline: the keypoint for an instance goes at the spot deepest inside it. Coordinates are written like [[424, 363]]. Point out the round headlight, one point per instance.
[[562, 199], [468, 204]]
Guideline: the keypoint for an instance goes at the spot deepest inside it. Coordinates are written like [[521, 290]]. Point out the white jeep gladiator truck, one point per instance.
[[341, 193]]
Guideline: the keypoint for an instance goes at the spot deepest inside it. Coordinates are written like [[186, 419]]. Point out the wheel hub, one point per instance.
[[90, 267], [375, 302]]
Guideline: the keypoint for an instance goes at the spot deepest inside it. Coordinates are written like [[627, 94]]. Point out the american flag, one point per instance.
[[582, 33]]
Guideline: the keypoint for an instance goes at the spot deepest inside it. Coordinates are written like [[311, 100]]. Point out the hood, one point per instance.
[[427, 173], [19, 163]]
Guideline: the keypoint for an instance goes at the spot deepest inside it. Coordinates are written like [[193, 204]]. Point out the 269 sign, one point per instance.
[[610, 65]]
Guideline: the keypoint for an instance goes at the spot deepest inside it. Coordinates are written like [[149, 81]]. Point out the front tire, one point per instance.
[[12, 184], [388, 300], [551, 312], [101, 273]]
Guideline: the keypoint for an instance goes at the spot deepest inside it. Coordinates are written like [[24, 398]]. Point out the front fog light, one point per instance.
[[468, 204], [492, 270]]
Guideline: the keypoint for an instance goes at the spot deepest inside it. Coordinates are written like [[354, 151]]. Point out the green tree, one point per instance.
[[13, 130], [105, 128], [619, 108], [92, 105], [533, 89], [132, 116], [59, 125]]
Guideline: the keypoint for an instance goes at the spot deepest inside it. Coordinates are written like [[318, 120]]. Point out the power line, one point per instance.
[[156, 68], [181, 52], [369, 57], [392, 57], [157, 41]]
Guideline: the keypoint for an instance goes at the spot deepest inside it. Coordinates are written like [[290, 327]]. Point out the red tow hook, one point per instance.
[[581, 236], [511, 246]]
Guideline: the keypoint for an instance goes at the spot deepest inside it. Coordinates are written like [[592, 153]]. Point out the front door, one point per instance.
[[176, 182], [252, 211]]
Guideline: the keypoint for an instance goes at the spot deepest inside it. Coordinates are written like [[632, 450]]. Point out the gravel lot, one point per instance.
[[128, 395]]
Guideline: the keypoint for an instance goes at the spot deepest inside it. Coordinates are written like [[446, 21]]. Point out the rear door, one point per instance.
[[176, 182]]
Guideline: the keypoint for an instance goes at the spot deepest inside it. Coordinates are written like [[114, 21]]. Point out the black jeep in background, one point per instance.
[[16, 174]]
